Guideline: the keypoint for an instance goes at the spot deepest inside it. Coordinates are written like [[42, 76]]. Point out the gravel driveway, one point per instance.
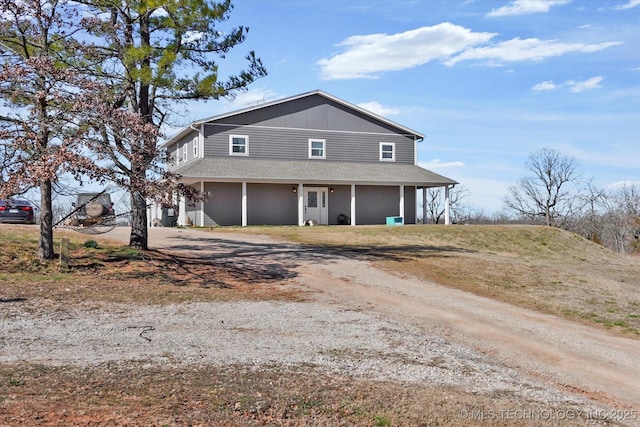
[[360, 321]]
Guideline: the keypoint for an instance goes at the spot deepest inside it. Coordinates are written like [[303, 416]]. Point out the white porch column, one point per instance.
[[401, 207], [447, 206], [150, 206], [424, 205], [300, 204], [182, 210], [244, 204], [353, 204], [201, 224]]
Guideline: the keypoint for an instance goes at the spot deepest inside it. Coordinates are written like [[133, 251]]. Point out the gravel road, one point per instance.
[[360, 321]]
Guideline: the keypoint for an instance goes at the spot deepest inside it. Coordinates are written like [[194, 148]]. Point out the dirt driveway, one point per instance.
[[563, 355]]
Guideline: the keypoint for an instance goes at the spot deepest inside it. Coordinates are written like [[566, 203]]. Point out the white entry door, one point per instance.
[[316, 205]]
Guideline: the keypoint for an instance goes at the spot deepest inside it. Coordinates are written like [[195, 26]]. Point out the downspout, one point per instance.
[[416, 140]]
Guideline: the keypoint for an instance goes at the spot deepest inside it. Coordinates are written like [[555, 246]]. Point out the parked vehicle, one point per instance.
[[92, 209], [17, 211]]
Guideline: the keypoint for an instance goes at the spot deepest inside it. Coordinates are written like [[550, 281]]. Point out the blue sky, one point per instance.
[[487, 81]]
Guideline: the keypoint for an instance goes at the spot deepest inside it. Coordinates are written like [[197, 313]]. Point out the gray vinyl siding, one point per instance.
[[224, 205], [176, 149], [374, 203], [271, 204], [267, 204], [293, 144], [312, 112], [282, 131], [339, 203], [410, 194], [276, 204]]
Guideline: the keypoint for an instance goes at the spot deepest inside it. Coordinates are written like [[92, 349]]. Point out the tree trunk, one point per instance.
[[139, 233], [46, 222]]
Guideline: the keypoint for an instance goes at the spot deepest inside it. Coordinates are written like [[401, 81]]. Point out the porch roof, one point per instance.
[[234, 169]]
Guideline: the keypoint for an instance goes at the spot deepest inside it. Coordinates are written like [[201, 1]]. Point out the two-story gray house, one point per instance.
[[310, 158]]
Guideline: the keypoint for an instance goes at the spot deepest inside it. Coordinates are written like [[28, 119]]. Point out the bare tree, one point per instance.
[[620, 228], [590, 223], [551, 194], [435, 204]]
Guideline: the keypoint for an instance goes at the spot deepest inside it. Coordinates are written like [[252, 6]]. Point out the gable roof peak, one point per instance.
[[316, 92]]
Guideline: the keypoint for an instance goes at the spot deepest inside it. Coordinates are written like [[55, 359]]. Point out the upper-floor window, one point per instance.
[[184, 152], [195, 147], [317, 149], [388, 151], [238, 145]]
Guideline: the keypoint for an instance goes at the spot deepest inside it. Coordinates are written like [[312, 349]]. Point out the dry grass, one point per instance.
[[136, 394], [543, 268], [538, 267], [110, 273]]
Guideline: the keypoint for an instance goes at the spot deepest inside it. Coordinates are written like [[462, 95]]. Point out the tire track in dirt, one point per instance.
[[566, 355]]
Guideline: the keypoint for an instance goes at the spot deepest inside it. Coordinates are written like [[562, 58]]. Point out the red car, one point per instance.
[[15, 210]]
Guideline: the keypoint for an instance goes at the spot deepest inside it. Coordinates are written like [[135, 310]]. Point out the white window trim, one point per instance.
[[393, 152], [185, 153], [196, 144], [324, 148], [246, 145]]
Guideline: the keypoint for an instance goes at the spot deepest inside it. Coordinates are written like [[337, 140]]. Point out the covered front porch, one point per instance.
[[251, 203], [246, 191]]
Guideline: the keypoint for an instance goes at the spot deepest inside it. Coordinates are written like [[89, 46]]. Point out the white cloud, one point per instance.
[[630, 4], [192, 36], [526, 7], [379, 109], [545, 86], [592, 83], [574, 86], [526, 50], [439, 164], [623, 184], [368, 55]]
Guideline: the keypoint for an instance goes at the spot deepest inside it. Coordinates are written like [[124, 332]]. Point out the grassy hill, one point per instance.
[[538, 267], [542, 268]]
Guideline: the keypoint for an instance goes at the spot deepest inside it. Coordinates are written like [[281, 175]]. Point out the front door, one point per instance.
[[316, 205]]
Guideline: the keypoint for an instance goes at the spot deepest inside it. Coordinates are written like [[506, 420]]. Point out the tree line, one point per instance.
[[555, 194], [86, 86]]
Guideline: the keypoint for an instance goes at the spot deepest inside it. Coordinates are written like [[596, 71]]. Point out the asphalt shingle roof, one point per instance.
[[308, 172]]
